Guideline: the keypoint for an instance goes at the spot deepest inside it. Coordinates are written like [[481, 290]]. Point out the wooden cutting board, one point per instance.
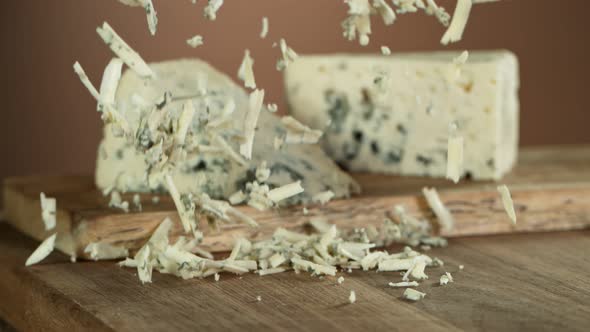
[[550, 187]]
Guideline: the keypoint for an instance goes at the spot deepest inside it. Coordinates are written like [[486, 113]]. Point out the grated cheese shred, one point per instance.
[[44, 249], [442, 214], [507, 202]]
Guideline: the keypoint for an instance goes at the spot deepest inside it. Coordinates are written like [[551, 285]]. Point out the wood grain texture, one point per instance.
[[527, 282], [550, 188]]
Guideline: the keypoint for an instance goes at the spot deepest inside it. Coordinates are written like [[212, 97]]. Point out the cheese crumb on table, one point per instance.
[[403, 284], [413, 295], [340, 280], [44, 249], [352, 297], [507, 202]]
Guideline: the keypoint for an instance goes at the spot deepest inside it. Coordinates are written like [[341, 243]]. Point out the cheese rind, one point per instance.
[[391, 114], [212, 169]]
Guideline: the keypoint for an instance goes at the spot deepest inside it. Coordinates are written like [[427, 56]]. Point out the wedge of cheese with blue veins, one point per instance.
[[391, 114], [212, 164]]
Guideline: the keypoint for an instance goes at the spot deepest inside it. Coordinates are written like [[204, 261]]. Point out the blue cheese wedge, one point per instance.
[[390, 114], [211, 163]]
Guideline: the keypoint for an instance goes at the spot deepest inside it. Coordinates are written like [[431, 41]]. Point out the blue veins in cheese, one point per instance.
[[221, 121], [390, 114]]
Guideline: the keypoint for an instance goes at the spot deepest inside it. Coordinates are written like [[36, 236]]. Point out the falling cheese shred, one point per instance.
[[152, 18], [507, 202], [210, 10], [443, 215], [287, 55], [48, 211], [454, 155], [298, 133], [455, 30], [195, 41], [250, 121], [44, 249], [246, 72], [85, 81], [264, 31], [123, 51], [385, 50]]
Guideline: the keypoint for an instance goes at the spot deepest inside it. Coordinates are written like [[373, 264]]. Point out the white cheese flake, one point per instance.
[[507, 202], [272, 108], [137, 202], [246, 71], [117, 202], [195, 41], [298, 133], [48, 211], [455, 30], [152, 18], [237, 198], [352, 297], [445, 279], [250, 121], [216, 277], [413, 295], [285, 191], [454, 156], [385, 50], [210, 10], [442, 214], [185, 218], [102, 250], [287, 55], [258, 298], [403, 284], [124, 51], [264, 31], [44, 249], [85, 81], [110, 82], [323, 197], [340, 280]]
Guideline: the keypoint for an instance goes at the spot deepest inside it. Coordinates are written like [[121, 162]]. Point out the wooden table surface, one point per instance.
[[510, 282]]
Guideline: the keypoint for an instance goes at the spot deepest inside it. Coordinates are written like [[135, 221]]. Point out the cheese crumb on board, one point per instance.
[[403, 284], [137, 202], [237, 198], [413, 295], [44, 249], [264, 31], [195, 41], [251, 119], [285, 191], [155, 200], [461, 267], [246, 72], [445, 279], [443, 215], [352, 297], [454, 155], [216, 277], [507, 202], [48, 211], [117, 202], [124, 51], [101, 250], [340, 280], [457, 26], [385, 50], [323, 197]]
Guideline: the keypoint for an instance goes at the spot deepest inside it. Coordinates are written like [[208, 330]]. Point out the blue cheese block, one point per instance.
[[391, 114], [212, 171]]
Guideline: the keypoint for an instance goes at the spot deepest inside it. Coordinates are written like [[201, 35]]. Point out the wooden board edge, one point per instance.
[[476, 212]]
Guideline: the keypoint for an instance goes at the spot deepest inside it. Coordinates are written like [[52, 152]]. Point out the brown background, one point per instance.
[[49, 123]]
